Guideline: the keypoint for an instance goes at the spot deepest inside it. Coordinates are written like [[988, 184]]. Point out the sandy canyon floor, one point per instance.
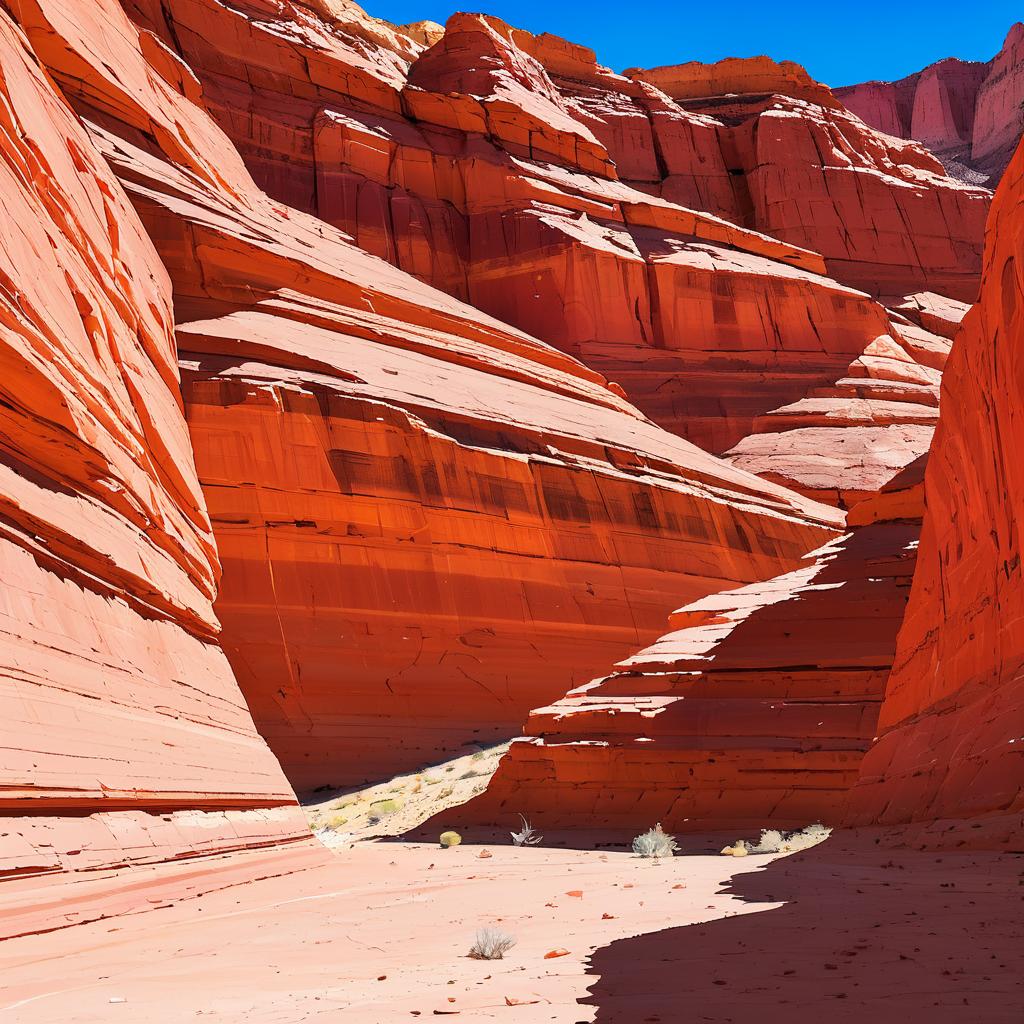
[[379, 932]]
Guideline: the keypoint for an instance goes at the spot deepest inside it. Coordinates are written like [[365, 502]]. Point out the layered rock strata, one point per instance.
[[429, 521], [754, 711], [970, 114], [668, 248], [125, 740], [949, 758]]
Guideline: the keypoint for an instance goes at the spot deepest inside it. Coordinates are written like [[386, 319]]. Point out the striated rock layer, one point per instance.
[[950, 750], [429, 521], [668, 248], [754, 711], [124, 739], [970, 114]]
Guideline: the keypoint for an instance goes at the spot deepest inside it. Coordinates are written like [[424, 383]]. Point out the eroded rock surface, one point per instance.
[[970, 114], [949, 756], [429, 521], [754, 711], [707, 252], [125, 738]]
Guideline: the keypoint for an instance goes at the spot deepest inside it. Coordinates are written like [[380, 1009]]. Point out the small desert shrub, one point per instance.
[[774, 841], [468, 775], [527, 836], [477, 756], [490, 944], [655, 843], [770, 842], [335, 821]]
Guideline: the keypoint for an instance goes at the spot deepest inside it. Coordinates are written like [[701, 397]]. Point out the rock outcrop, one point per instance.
[[331, 307], [949, 758], [970, 114], [754, 711], [667, 248], [429, 521], [125, 739]]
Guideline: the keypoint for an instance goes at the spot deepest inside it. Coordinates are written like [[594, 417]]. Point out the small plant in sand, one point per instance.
[[526, 836], [655, 843], [490, 944]]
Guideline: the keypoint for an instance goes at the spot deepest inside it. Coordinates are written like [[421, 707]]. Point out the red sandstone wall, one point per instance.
[[754, 711], [969, 114], [430, 522], [125, 738], [950, 747], [587, 237]]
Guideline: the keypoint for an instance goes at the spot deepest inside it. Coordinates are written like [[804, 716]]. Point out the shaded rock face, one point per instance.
[[949, 756], [754, 711], [968, 113], [429, 521], [126, 740]]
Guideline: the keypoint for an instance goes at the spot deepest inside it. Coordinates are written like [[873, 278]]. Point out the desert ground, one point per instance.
[[379, 931]]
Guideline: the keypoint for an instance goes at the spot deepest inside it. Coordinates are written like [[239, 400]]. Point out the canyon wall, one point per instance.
[[970, 114], [429, 521], [404, 380], [125, 739], [667, 244], [949, 759], [753, 711]]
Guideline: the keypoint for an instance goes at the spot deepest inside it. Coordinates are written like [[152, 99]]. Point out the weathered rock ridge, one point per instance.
[[666, 244], [366, 388], [125, 739], [970, 114], [755, 710], [949, 760]]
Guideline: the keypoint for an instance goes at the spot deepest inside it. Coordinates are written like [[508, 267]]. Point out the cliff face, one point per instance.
[[753, 711], [594, 210], [332, 306], [429, 521], [969, 114], [126, 740], [949, 753]]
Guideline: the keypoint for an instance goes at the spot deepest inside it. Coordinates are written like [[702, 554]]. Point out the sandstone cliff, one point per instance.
[[333, 307], [429, 521], [754, 711], [126, 741], [971, 115], [949, 756], [594, 210]]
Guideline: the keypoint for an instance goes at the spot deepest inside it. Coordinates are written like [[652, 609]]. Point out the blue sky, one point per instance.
[[839, 42]]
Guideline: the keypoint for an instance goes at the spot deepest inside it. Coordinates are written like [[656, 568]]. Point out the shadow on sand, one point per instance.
[[866, 935]]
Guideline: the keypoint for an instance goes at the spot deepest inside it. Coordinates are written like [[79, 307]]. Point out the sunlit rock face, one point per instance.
[[429, 521], [970, 114], [702, 235], [753, 711], [948, 759], [126, 740], [464, 361]]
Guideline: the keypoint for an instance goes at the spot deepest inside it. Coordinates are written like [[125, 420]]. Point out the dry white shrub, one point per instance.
[[773, 841], [490, 944], [655, 843], [527, 837]]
